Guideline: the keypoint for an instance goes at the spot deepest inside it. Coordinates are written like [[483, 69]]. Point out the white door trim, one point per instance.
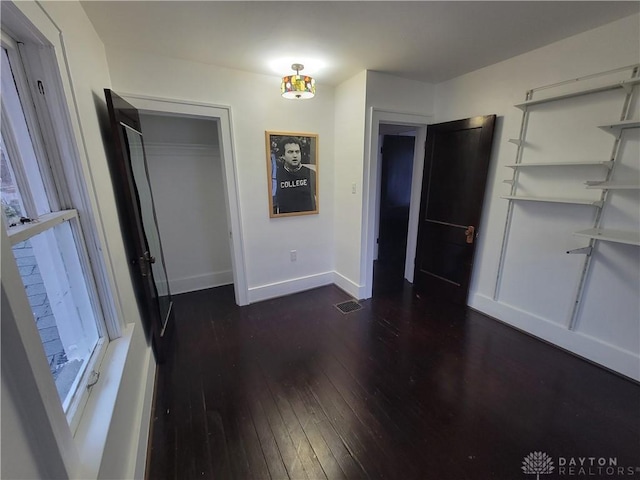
[[371, 192], [222, 114]]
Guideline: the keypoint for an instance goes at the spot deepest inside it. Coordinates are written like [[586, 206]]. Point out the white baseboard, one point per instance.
[[200, 282], [287, 287], [350, 287], [590, 348]]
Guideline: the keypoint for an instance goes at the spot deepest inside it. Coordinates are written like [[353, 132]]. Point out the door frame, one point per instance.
[[222, 115], [371, 189]]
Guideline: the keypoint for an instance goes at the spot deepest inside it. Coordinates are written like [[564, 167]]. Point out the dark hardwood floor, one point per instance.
[[401, 389]]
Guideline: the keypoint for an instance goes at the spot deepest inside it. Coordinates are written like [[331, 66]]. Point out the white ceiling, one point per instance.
[[429, 41]]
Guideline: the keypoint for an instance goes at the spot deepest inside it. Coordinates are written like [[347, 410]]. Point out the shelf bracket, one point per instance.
[[628, 87], [510, 182], [515, 141], [581, 251]]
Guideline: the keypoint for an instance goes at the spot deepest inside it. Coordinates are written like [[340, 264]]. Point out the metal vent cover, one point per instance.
[[348, 306]]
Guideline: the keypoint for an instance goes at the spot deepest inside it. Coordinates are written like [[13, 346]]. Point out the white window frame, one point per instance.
[[41, 55], [54, 190], [67, 169]]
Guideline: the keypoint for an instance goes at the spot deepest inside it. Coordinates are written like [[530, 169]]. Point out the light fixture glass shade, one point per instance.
[[298, 87]]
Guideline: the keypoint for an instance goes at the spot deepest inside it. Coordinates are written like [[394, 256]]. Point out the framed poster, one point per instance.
[[292, 173]]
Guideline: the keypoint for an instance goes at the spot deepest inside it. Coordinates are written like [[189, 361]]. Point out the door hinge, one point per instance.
[[144, 266], [40, 87], [145, 261]]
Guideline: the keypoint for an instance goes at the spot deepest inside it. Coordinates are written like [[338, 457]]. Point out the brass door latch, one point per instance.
[[470, 233]]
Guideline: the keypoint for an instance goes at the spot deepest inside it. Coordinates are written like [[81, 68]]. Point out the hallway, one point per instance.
[[292, 388]]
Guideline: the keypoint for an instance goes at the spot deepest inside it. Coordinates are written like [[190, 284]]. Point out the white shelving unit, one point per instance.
[[603, 234], [607, 184]]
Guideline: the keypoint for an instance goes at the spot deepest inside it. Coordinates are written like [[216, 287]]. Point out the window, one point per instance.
[[47, 242]]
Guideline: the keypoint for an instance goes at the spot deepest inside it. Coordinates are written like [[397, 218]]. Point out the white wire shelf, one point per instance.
[[594, 203], [607, 235], [625, 84], [607, 164], [615, 128], [612, 185]]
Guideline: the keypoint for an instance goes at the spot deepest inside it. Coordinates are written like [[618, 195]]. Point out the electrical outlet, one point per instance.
[[294, 255]]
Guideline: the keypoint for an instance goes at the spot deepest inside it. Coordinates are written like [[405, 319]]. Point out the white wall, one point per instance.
[[16, 445], [349, 119], [540, 279], [407, 100], [84, 60], [185, 169], [398, 101], [388, 92], [254, 110]]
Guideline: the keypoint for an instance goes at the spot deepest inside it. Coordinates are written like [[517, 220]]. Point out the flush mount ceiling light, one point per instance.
[[298, 87]]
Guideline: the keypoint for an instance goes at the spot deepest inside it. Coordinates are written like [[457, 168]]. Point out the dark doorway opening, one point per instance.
[[397, 152]]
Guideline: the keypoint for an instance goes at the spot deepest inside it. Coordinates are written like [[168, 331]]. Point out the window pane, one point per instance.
[[11, 199], [22, 153], [54, 282]]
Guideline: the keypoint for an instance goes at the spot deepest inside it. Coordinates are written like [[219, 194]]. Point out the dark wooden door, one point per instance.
[[455, 173], [395, 198], [130, 178]]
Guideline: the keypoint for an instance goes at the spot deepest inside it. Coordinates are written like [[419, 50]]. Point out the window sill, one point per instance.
[[93, 429]]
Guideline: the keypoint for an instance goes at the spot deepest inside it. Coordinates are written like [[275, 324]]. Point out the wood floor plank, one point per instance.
[[282, 433], [299, 440], [309, 421], [268, 444], [323, 424], [257, 464]]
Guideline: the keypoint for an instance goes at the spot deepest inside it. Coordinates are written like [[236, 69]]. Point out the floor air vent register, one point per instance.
[[348, 306]]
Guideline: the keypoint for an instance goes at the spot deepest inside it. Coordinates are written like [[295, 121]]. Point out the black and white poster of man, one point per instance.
[[292, 168]]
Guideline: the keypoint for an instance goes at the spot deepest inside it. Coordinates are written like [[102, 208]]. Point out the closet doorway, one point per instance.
[[192, 172], [186, 176]]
